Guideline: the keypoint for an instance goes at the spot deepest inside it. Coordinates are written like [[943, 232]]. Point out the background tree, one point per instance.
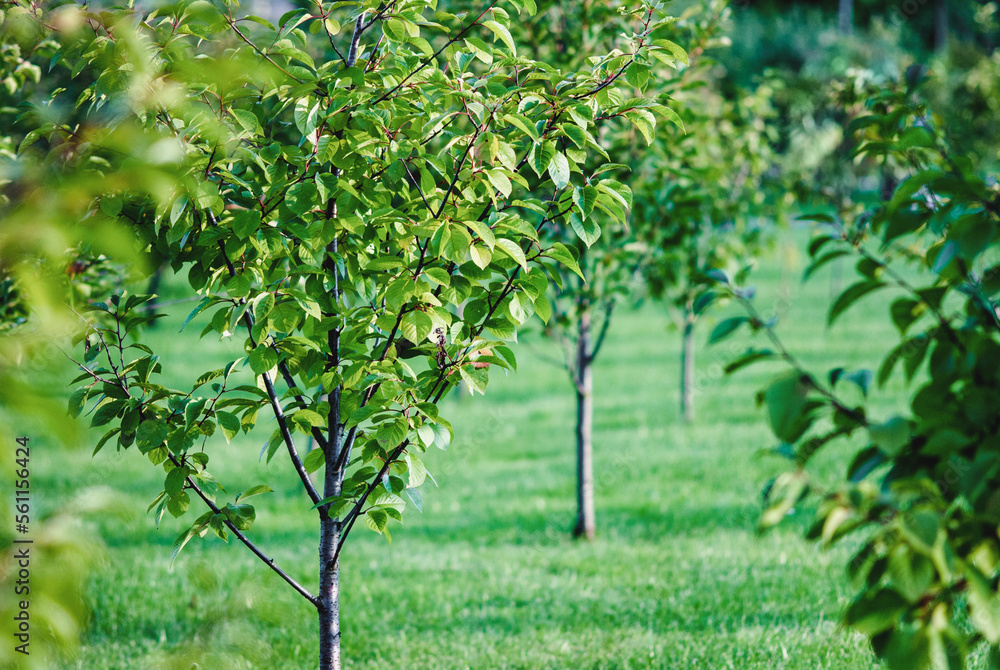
[[582, 299], [703, 192], [336, 214]]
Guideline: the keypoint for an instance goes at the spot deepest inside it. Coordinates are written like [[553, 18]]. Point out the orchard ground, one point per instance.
[[487, 575]]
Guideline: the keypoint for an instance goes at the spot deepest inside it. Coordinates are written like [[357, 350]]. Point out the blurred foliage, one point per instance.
[[922, 490]]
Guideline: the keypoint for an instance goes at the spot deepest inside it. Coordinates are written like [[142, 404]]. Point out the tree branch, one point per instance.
[[264, 55], [427, 61], [245, 540], [279, 415], [355, 512], [609, 307]]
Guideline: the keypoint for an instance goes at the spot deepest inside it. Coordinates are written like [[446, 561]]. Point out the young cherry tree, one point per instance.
[[700, 196], [582, 300], [367, 229]]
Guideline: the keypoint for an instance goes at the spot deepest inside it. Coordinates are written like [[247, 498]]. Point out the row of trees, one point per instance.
[[374, 198]]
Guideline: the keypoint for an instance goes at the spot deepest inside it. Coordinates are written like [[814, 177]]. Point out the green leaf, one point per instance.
[[238, 286], [559, 170], [179, 543], [561, 253], [512, 249], [543, 309], [500, 181], [851, 295], [786, 405], [151, 433], [521, 307], [253, 491], [306, 116], [587, 230], [314, 460], [302, 197], [247, 120], [77, 401], [377, 520], [230, 424], [875, 611], [175, 481], [106, 412], [891, 436], [984, 605], [246, 223], [284, 316], [481, 255], [262, 359], [503, 34], [541, 156], [675, 50], [726, 327], [416, 470], [823, 260], [528, 128], [474, 378], [585, 198], [395, 30], [416, 326]]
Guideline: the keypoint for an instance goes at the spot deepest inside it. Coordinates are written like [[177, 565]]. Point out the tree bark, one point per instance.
[[329, 573], [585, 525], [687, 363], [329, 595], [330, 527], [845, 17], [941, 25]]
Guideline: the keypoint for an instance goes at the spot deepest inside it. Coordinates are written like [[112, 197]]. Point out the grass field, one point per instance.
[[487, 576]]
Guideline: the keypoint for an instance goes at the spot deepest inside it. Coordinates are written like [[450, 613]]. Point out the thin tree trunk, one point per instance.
[[329, 573], [845, 17], [330, 527], [941, 25], [585, 525], [687, 363], [329, 595]]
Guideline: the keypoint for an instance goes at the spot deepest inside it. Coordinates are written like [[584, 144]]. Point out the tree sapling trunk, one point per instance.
[[687, 363], [941, 25], [845, 17], [585, 525]]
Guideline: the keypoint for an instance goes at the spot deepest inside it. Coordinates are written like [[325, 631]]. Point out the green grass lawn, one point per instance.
[[487, 576]]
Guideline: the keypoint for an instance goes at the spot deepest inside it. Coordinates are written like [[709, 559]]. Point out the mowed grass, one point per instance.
[[487, 576]]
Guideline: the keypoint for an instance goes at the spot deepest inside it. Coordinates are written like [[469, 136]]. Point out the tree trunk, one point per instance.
[[687, 363], [941, 25], [330, 527], [585, 526], [329, 571], [845, 17], [329, 596]]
